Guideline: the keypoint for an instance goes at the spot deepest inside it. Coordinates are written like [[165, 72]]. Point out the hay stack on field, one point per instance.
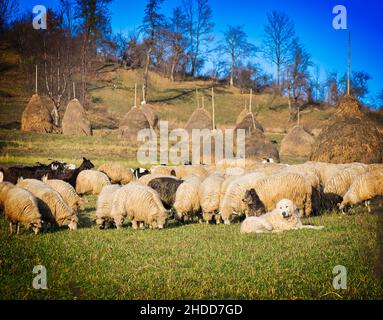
[[134, 121], [151, 115], [258, 148], [249, 123], [297, 142], [241, 116], [36, 117], [75, 121], [351, 137], [200, 119]]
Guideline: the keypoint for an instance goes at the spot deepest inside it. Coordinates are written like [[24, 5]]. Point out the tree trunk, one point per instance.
[[278, 78], [146, 72], [232, 71]]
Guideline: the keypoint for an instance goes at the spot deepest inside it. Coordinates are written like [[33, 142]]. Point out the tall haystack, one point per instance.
[[351, 137], [298, 142], [75, 121], [200, 119], [258, 148], [151, 115], [241, 116], [36, 117], [134, 121], [249, 123]]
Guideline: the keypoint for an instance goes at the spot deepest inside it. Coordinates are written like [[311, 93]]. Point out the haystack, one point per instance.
[[258, 148], [75, 121], [249, 123], [200, 119], [241, 116], [297, 143], [134, 121], [351, 137], [36, 117], [151, 115]]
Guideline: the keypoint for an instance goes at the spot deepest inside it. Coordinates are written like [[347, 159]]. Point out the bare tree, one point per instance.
[[152, 23], [176, 36], [94, 24], [199, 16], [298, 75], [280, 33], [8, 8], [237, 47], [358, 83]]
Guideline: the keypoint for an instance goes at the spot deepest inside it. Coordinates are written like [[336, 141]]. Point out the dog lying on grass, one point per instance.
[[284, 217]]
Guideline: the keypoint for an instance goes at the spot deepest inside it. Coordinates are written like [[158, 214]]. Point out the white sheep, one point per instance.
[[163, 170], [183, 172], [141, 205], [364, 188], [234, 172], [4, 188], [91, 182], [209, 195], [187, 203], [104, 205], [117, 173], [21, 209], [341, 181], [231, 204], [67, 192], [284, 217], [52, 206]]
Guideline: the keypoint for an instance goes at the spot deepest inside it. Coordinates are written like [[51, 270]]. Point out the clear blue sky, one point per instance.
[[313, 24]]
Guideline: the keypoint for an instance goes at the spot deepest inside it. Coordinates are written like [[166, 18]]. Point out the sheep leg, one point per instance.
[[134, 225], [10, 227], [18, 228]]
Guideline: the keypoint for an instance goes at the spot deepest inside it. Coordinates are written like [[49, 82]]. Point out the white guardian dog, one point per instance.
[[284, 217]]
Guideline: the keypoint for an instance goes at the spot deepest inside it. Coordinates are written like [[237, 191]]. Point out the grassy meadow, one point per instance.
[[194, 261]]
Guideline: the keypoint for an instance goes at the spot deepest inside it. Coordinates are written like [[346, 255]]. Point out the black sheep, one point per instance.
[[166, 188]]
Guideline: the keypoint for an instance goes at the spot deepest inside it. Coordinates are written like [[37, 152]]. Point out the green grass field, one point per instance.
[[182, 262], [195, 261]]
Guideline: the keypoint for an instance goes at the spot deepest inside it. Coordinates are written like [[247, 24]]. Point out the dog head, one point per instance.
[[287, 209]]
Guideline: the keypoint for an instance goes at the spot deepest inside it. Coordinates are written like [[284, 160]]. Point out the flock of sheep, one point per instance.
[[210, 193]]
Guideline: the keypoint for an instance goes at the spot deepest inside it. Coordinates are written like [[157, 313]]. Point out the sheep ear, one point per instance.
[[20, 179]]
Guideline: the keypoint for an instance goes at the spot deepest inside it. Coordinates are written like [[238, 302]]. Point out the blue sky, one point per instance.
[[313, 24]]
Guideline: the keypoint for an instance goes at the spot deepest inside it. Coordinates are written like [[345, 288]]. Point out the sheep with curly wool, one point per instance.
[[52, 206], [231, 205], [141, 205], [163, 170], [209, 194], [104, 206], [21, 209], [117, 173], [91, 182], [183, 172], [4, 188], [187, 203], [341, 181], [67, 192], [365, 187]]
